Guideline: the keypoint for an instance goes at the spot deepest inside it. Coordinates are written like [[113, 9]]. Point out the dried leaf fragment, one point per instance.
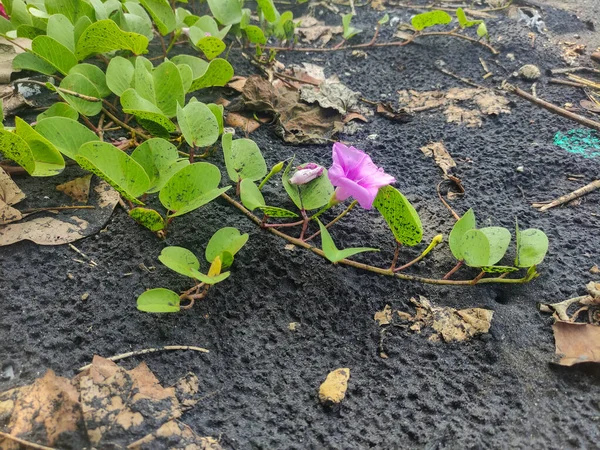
[[333, 389], [576, 342], [437, 151], [384, 317], [175, 435], [78, 189], [10, 193]]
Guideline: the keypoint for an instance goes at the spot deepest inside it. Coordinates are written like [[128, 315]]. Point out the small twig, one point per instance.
[[573, 69], [59, 89], [550, 107], [27, 444], [458, 77], [456, 216], [149, 350], [124, 125], [560, 309], [453, 270], [566, 82], [568, 197], [75, 249]]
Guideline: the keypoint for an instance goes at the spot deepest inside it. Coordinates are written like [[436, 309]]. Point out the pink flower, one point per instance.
[[306, 173], [3, 12], [355, 175]]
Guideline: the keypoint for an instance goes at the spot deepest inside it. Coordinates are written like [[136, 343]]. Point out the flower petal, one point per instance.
[[364, 196]]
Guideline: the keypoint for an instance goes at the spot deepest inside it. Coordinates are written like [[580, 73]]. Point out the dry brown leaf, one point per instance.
[[69, 228], [389, 112], [9, 191], [237, 83], [313, 31], [576, 342], [8, 51], [354, 116], [595, 269], [378, 5], [330, 94], [245, 124], [174, 431], [333, 389], [384, 317], [463, 105], [437, 151], [8, 214], [186, 390], [78, 189]]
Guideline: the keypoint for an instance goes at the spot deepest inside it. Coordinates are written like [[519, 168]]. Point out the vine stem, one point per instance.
[[339, 217], [122, 124], [377, 270]]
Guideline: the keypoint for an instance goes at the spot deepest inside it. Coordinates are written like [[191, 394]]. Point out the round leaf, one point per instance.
[[476, 248], [465, 223], [180, 260], [160, 159], [498, 239], [198, 124], [532, 246], [158, 300], [211, 46], [119, 75], [66, 134], [226, 239], [243, 159]]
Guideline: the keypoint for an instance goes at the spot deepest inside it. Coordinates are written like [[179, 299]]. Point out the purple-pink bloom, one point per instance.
[[3, 12], [306, 173], [355, 175]]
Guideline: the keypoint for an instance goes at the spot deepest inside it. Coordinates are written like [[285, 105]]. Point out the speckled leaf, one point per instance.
[[211, 46], [78, 83], [268, 9], [400, 215], [147, 114], [243, 159], [93, 74], [54, 53], [499, 269], [119, 75], [66, 134], [148, 218], [158, 300], [312, 195], [17, 150], [105, 36], [160, 159], [190, 188], [198, 124], [47, 159], [273, 211], [227, 239], [498, 239], [162, 15], [226, 11], [331, 251], [59, 109], [255, 35], [429, 19], [532, 246], [475, 248], [482, 31], [218, 73], [250, 195], [464, 224], [29, 61], [116, 167]]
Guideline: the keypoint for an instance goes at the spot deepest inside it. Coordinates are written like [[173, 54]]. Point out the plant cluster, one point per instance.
[[93, 51]]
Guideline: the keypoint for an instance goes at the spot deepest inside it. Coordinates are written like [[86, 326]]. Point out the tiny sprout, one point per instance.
[[306, 173]]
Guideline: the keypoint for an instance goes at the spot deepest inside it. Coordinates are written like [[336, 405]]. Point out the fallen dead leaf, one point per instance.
[[241, 122], [10, 194], [333, 390], [378, 5], [313, 31], [384, 317], [595, 269], [437, 151], [389, 112], [78, 189], [237, 83], [8, 51], [66, 226], [354, 116], [576, 342], [104, 407], [330, 94], [463, 105]]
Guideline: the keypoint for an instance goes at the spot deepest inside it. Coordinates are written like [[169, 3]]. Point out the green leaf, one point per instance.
[[54, 53], [218, 73], [119, 75], [273, 211], [211, 46], [80, 26], [250, 195], [162, 14], [160, 159], [312, 195], [255, 35], [66, 134], [476, 248], [499, 269], [268, 9], [78, 83], [429, 19], [116, 167], [29, 61], [463, 21], [208, 25], [72, 9], [225, 240], [466, 223], [148, 218], [226, 11], [158, 300], [17, 150], [168, 88], [47, 159], [146, 113], [191, 187], [62, 30], [217, 110], [498, 239], [198, 124], [179, 259], [400, 215], [59, 110], [187, 76], [28, 31], [349, 30], [95, 75], [482, 31], [532, 246], [105, 36], [331, 251], [243, 159], [209, 280], [385, 19]]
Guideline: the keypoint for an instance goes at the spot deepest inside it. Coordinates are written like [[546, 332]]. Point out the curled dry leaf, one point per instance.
[[333, 389], [576, 342], [313, 31], [330, 94], [389, 112], [241, 122], [437, 151]]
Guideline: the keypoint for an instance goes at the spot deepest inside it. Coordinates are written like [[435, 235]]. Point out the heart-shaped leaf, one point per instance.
[[179, 259], [226, 239], [198, 124], [66, 134], [158, 300], [211, 46], [190, 188], [331, 251], [465, 223], [116, 167], [532, 246], [160, 159], [255, 35], [400, 215], [243, 159]]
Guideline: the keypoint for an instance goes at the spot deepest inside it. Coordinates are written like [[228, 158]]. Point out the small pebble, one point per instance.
[[520, 169], [529, 72], [510, 56], [85, 296], [333, 389]]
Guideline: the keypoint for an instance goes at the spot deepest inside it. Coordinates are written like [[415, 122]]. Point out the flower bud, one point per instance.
[[306, 173], [277, 168]]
